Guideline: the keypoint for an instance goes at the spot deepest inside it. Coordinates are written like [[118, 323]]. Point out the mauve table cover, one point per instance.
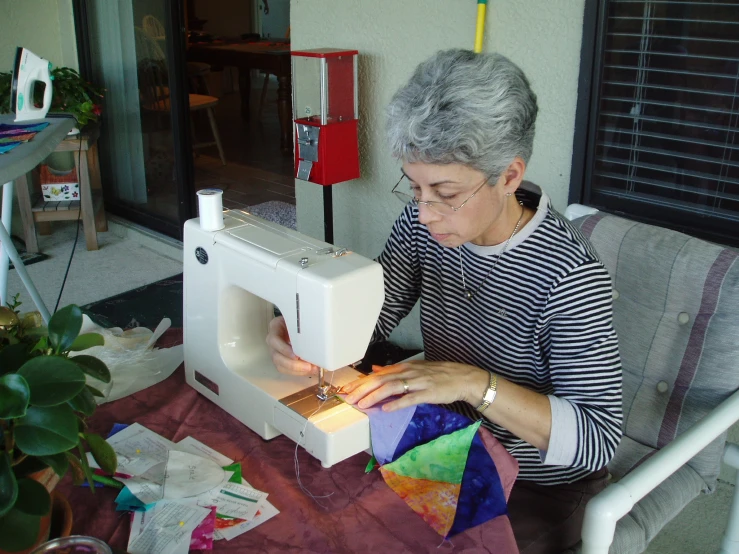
[[363, 515]]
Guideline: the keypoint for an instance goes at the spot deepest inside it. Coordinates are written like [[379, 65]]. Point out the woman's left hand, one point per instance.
[[417, 382]]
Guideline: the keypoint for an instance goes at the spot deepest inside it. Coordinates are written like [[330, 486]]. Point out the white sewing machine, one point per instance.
[[330, 298]]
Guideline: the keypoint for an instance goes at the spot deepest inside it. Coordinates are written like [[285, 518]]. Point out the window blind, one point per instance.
[[663, 138]]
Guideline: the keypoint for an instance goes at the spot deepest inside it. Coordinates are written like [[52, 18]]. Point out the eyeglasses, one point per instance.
[[437, 206]]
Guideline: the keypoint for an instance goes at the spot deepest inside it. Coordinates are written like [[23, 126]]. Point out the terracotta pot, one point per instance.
[[58, 523]]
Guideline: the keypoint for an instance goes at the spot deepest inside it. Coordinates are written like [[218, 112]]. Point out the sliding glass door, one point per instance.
[[135, 50]]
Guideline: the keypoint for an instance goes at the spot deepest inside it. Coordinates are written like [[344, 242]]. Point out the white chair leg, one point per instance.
[[730, 542], [214, 128]]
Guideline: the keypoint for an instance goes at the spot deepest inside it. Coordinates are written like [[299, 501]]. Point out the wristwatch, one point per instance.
[[490, 393]]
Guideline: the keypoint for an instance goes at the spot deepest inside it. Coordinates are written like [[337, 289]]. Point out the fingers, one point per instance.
[[377, 387], [282, 353]]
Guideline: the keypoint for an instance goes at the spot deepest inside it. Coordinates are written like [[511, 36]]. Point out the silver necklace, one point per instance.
[[471, 294]]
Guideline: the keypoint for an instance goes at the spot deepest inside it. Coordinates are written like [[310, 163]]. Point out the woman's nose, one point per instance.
[[426, 215]]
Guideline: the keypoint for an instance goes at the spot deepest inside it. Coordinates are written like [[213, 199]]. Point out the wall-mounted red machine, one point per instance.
[[325, 107]]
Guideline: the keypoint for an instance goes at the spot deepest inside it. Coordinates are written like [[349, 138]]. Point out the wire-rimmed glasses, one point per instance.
[[437, 206]]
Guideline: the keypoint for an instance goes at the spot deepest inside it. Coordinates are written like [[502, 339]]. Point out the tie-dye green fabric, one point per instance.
[[442, 459]]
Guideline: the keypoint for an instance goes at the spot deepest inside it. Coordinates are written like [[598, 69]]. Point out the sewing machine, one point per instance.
[[330, 298]]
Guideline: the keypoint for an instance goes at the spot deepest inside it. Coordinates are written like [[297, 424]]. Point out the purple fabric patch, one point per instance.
[[386, 430], [481, 497], [689, 365], [590, 223], [428, 423]]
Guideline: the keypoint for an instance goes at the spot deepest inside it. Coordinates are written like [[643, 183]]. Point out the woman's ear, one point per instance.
[[513, 175]]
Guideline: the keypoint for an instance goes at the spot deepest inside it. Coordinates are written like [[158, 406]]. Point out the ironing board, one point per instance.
[[13, 164]]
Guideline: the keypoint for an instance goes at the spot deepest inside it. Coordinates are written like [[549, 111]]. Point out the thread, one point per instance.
[[210, 209], [296, 462]]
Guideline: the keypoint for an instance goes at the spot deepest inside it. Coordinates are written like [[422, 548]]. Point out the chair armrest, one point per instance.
[[606, 508]]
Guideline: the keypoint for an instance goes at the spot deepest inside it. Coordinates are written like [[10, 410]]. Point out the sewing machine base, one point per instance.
[[307, 402]]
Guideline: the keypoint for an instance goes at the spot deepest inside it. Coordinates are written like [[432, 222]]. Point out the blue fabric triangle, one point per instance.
[[481, 497], [429, 422]]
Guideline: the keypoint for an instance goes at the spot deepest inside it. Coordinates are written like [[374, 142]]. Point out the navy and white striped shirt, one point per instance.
[[541, 319]]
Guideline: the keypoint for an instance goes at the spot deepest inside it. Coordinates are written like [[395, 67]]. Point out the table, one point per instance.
[[272, 57], [362, 516], [13, 165], [87, 162]]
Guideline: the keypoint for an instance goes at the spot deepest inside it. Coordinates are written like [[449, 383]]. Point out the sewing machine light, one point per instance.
[[325, 104]]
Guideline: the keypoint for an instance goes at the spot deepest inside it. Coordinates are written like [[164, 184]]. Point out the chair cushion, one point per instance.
[[676, 300]]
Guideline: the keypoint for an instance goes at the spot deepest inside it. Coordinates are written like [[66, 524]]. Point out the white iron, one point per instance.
[[29, 70]]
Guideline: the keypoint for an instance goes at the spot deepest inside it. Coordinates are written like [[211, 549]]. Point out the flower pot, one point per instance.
[[55, 525], [58, 523]]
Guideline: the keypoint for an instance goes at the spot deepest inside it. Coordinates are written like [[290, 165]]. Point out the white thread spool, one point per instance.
[[210, 206]]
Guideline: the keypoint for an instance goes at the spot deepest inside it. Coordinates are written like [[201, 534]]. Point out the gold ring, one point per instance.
[[406, 388]]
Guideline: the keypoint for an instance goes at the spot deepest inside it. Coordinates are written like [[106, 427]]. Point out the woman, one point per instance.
[[516, 308]]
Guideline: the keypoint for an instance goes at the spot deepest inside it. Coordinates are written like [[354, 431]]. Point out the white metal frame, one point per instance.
[[8, 251]]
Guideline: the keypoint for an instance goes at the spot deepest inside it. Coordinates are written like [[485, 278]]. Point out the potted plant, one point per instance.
[[72, 94], [44, 404]]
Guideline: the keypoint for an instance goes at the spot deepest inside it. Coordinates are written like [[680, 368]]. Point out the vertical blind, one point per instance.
[[664, 132]]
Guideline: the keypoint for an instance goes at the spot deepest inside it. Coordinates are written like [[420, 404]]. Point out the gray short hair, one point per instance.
[[461, 107]]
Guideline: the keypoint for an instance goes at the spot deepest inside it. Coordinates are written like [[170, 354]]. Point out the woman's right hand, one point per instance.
[[282, 353]]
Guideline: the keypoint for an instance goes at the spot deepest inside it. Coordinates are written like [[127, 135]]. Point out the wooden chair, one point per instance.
[[154, 90]]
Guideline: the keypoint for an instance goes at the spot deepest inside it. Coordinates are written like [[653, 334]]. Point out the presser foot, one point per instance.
[[313, 400]]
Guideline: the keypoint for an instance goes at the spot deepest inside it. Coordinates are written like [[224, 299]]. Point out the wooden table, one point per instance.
[[272, 57], [34, 209]]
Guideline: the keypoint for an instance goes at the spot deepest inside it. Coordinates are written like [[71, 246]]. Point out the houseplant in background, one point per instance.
[[44, 404], [72, 94]]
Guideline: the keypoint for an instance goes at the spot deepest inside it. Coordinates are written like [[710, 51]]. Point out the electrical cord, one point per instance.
[[77, 234]]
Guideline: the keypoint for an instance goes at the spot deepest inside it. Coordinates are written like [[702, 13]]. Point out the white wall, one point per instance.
[[393, 36], [46, 27]]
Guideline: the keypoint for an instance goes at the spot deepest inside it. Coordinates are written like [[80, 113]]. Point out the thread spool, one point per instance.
[[210, 208]]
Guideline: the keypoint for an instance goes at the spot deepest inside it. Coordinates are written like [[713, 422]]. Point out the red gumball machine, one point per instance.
[[326, 113]]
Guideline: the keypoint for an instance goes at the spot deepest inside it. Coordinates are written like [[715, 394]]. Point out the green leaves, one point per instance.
[[8, 485], [20, 519], [44, 431], [57, 462], [84, 402], [52, 379], [14, 396], [64, 327], [33, 498], [13, 357], [93, 366], [88, 340], [18, 530], [102, 452]]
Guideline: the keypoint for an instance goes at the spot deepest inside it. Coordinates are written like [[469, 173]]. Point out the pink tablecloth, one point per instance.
[[362, 516]]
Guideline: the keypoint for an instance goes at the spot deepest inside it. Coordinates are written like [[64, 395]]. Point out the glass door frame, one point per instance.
[[183, 160]]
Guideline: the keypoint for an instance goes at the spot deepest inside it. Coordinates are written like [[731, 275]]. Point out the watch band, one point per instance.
[[490, 393]]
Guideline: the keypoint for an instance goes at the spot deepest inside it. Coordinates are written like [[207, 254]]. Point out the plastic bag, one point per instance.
[[134, 363]]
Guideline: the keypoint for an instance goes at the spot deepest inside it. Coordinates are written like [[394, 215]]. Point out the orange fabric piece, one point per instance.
[[434, 501]]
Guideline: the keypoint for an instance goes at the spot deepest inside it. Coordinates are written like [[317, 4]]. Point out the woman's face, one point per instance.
[[486, 217]]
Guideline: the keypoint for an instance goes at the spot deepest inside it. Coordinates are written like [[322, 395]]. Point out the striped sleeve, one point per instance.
[[402, 275], [581, 345]]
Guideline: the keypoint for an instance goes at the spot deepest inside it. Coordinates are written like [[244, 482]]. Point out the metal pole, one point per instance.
[[328, 215]]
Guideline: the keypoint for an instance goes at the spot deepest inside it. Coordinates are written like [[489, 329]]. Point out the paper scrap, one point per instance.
[[139, 449], [233, 500], [194, 446], [228, 532], [166, 529], [189, 475]]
